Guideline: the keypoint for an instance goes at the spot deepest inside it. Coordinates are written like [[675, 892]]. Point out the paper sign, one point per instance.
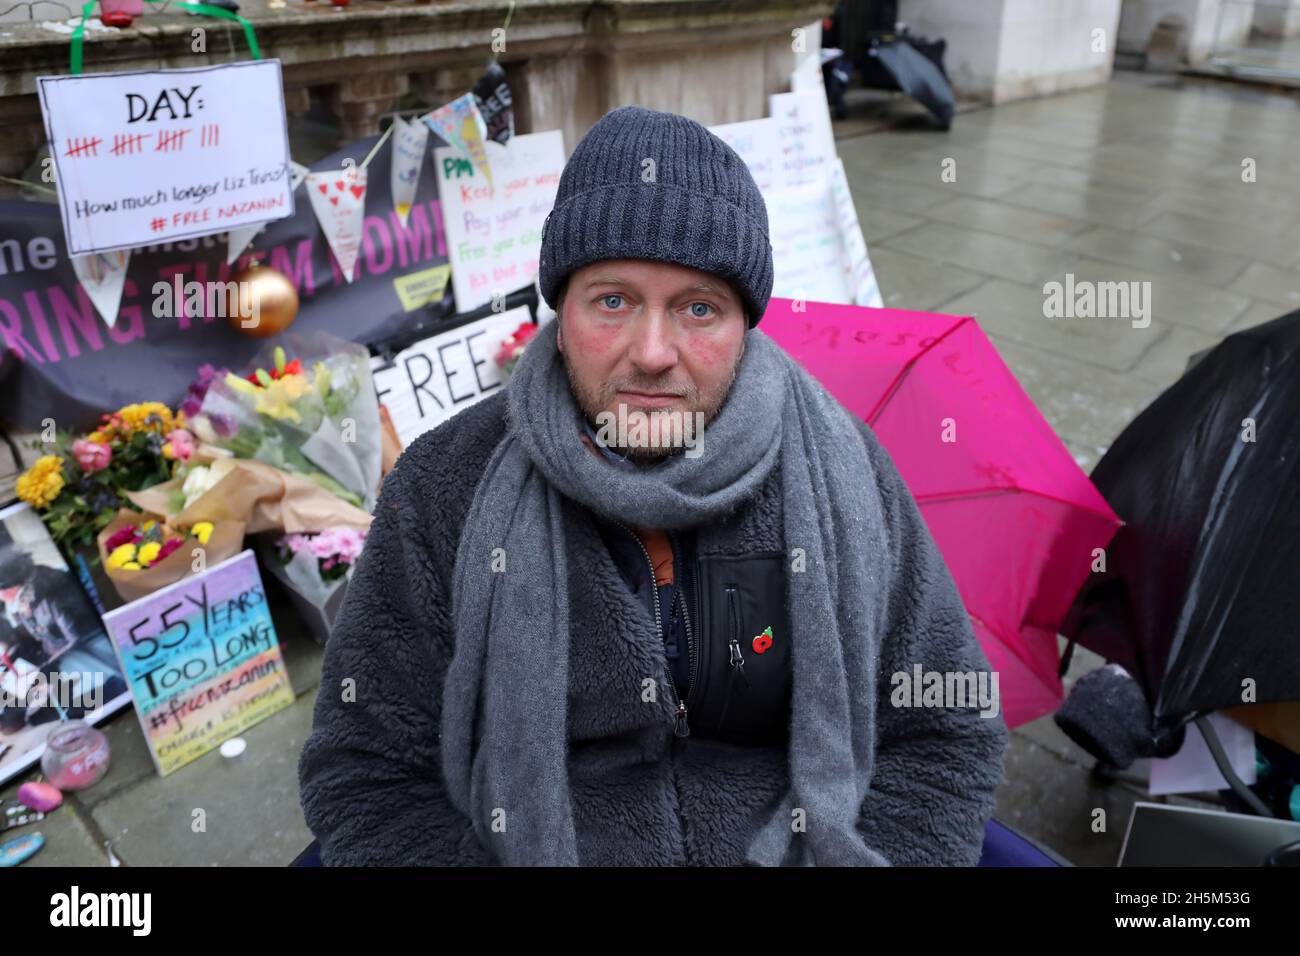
[[237, 240], [410, 142], [460, 125], [419, 290], [859, 276], [425, 385], [155, 156], [494, 236], [202, 660], [103, 276], [1193, 770], [338, 198], [804, 133], [807, 252], [757, 142]]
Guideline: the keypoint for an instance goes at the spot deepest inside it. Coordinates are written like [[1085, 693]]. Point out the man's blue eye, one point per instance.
[[708, 310], [606, 298]]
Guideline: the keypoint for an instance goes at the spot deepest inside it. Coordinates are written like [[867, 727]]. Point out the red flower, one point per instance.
[[127, 534]]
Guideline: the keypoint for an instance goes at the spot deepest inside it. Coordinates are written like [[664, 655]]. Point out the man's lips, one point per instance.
[[649, 399]]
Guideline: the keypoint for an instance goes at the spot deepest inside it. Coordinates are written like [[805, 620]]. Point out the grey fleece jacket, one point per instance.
[[370, 773]]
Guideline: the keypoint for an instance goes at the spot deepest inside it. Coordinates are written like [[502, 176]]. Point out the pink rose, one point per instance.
[[91, 455], [182, 443]]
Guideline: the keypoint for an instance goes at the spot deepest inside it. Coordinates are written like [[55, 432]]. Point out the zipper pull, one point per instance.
[[680, 727], [738, 661]]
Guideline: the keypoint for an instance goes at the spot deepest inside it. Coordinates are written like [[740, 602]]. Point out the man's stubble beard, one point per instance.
[[592, 405]]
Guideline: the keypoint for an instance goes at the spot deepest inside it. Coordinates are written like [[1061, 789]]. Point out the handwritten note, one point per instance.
[[202, 660], [148, 157], [495, 234]]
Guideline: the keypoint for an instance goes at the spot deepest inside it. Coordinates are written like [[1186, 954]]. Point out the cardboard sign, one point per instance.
[[202, 659], [148, 157], [431, 381], [494, 236]]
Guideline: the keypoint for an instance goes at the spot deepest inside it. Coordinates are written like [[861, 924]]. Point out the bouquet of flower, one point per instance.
[[314, 415], [135, 547], [81, 485], [142, 553], [335, 550], [314, 569], [512, 348]]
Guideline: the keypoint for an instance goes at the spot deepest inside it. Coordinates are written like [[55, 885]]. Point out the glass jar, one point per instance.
[[76, 756]]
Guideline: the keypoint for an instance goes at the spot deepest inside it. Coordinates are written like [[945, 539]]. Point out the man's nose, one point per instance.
[[654, 348]]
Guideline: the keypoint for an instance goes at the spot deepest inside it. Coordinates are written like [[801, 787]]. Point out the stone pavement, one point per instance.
[[1136, 180]]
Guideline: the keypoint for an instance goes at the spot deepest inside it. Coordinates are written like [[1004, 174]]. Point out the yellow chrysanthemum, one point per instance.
[[131, 566], [120, 555], [202, 530], [133, 416], [148, 553], [41, 483]]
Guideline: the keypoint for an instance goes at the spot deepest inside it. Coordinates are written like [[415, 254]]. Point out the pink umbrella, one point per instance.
[[1015, 517]]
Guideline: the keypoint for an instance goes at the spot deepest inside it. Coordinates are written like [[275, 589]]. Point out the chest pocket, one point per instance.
[[747, 674]]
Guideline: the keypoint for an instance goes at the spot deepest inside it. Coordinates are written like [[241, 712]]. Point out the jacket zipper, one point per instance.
[[737, 659], [681, 726]]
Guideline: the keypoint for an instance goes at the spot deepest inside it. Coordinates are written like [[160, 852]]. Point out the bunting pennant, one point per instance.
[[461, 126], [103, 276], [338, 197], [410, 139]]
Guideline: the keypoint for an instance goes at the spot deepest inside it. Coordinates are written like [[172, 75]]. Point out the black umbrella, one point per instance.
[[1200, 597], [895, 62]]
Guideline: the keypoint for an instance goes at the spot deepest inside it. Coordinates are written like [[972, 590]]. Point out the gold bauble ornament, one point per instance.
[[268, 302]]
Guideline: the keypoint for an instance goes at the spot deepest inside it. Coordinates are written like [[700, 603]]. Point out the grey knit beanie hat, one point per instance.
[[648, 185]]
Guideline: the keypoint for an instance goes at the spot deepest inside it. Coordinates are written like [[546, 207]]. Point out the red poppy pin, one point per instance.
[[763, 641]]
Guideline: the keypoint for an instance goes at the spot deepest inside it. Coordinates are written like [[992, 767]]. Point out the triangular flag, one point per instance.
[[237, 239], [338, 199], [103, 275], [409, 143], [461, 126]]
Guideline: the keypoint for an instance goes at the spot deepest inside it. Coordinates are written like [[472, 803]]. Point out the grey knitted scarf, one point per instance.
[[504, 733]]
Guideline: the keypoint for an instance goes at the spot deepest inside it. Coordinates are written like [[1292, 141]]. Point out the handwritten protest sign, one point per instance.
[[806, 140], [758, 143], [860, 276], [807, 251], [152, 156], [494, 236], [431, 381], [202, 660]]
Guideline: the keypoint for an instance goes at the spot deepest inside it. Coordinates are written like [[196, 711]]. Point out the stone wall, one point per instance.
[[569, 61]]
